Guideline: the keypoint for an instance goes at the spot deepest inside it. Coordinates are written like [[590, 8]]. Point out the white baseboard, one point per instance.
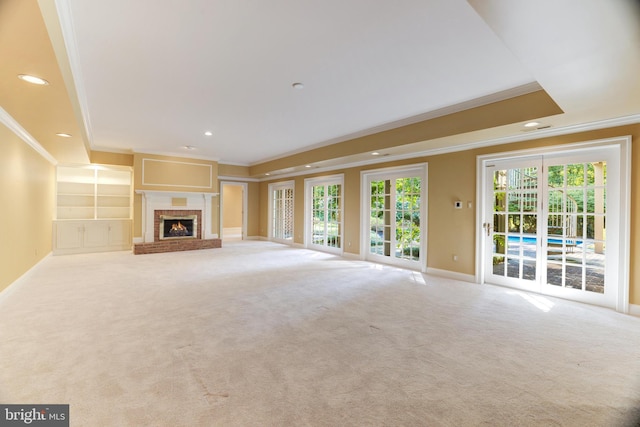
[[634, 310], [16, 283], [349, 255], [451, 275], [231, 230]]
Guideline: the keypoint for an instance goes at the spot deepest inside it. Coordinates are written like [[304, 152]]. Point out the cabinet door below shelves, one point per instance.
[[69, 235], [72, 237], [96, 234], [120, 234]]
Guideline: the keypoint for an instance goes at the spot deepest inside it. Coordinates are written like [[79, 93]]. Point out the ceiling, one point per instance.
[[153, 77]]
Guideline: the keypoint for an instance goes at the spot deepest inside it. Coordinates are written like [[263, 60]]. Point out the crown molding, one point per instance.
[[11, 123]]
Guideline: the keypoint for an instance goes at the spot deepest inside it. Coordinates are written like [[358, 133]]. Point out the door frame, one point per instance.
[[309, 183], [623, 145], [418, 169], [271, 187], [245, 190]]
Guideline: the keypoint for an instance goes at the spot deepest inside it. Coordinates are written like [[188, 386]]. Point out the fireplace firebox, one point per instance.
[[178, 227]]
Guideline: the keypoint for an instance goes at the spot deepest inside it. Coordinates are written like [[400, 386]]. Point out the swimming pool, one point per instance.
[[533, 240]]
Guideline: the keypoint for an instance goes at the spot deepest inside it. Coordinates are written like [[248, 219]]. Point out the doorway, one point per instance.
[[556, 223], [281, 210], [394, 209], [324, 198], [233, 212]]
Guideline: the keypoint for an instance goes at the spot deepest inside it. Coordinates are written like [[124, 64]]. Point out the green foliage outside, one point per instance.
[[407, 217], [573, 189], [326, 204]]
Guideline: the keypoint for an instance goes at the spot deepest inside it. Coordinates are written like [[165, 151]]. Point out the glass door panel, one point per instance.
[[514, 209], [576, 229], [324, 205], [282, 213], [546, 227], [395, 211]]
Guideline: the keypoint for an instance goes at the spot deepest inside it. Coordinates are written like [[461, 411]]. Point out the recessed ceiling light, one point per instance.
[[64, 135], [189, 147], [267, 174], [297, 85], [307, 166], [32, 79], [375, 153], [531, 124], [208, 133]]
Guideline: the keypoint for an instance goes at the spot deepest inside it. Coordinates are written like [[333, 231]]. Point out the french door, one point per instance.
[[281, 211], [394, 209], [324, 197], [551, 224]]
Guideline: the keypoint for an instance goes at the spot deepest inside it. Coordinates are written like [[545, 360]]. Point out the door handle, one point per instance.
[[487, 228]]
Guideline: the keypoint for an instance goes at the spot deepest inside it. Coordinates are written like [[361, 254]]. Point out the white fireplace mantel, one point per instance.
[[163, 200]]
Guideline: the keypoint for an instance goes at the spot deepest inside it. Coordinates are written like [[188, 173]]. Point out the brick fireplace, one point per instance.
[[160, 204]]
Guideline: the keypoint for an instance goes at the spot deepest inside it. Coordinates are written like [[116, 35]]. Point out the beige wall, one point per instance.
[[232, 205], [177, 174], [233, 170], [253, 210], [27, 199], [453, 177], [107, 158]]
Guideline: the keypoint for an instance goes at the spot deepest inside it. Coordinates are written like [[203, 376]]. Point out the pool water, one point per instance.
[[533, 240]]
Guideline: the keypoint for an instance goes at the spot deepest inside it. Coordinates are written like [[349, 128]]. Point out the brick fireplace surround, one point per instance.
[[157, 204], [158, 245]]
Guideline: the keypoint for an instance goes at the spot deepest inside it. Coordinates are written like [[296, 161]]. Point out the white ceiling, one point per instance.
[[153, 76]]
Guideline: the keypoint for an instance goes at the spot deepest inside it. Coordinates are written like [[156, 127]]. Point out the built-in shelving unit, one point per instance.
[[93, 193], [93, 209]]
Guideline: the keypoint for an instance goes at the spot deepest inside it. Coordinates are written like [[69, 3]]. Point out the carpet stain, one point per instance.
[[212, 398]]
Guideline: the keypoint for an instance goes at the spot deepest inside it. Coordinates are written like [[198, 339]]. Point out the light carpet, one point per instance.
[[261, 334]]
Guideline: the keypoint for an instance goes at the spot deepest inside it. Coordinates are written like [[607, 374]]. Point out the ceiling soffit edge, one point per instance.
[[58, 21], [540, 134], [532, 105], [445, 111]]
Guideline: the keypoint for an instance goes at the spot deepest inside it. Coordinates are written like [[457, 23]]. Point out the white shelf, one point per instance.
[[75, 200], [89, 192], [113, 213], [76, 212]]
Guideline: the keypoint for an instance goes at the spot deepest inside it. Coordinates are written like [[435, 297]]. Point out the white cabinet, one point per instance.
[[67, 235], [93, 209], [119, 234], [72, 237]]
